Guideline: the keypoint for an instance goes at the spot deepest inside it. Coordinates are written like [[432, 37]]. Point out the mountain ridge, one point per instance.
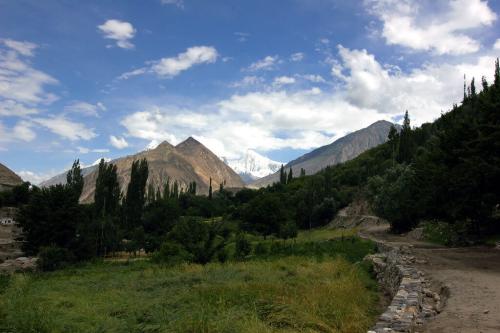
[[341, 150]]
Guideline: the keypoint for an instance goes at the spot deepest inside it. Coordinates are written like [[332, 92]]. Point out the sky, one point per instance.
[[104, 79]]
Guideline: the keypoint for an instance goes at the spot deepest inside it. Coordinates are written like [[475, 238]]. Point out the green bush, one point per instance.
[[171, 253], [242, 247], [446, 234], [51, 258]]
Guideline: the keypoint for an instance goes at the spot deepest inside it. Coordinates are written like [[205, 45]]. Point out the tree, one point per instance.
[[210, 189], [107, 190], [302, 172], [393, 138], [74, 179], [106, 205], [405, 149], [290, 175], [473, 93], [497, 74], [282, 175], [135, 199]]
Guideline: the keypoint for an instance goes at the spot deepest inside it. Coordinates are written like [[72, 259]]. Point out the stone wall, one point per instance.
[[412, 300]]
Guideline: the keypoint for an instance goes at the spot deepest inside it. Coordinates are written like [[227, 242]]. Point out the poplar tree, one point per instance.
[[290, 175], [210, 189], [405, 148], [135, 199], [74, 179]]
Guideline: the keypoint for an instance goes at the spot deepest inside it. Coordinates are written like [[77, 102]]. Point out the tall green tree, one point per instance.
[[74, 179], [405, 149], [290, 175], [135, 198], [210, 189]]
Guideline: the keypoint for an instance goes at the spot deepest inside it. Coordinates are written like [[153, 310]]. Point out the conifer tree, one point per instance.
[[405, 148], [282, 175], [497, 74], [484, 83], [473, 89], [290, 175], [393, 138], [210, 189], [302, 172]]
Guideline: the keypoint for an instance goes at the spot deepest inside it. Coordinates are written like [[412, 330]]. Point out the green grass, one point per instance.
[[288, 293]]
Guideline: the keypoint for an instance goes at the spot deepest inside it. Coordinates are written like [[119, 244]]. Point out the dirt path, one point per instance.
[[472, 276]]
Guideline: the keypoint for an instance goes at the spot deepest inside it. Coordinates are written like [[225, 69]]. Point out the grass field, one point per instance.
[[301, 293]]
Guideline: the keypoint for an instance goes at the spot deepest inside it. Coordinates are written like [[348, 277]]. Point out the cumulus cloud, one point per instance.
[[85, 108], [118, 142], [120, 31], [173, 66], [268, 63], [66, 128], [303, 119], [36, 178], [441, 30]]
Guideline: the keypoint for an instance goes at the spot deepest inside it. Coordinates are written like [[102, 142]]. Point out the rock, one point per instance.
[[486, 311]]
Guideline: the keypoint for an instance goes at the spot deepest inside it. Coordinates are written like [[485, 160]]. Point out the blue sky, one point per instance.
[[92, 79]]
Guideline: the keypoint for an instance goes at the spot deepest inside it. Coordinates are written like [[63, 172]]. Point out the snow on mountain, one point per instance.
[[252, 166]]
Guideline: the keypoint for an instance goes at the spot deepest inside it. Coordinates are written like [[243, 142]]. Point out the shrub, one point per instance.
[[243, 247], [171, 253], [261, 249], [51, 258]]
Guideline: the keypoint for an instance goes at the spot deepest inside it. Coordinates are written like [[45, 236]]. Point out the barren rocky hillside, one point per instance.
[[187, 162]]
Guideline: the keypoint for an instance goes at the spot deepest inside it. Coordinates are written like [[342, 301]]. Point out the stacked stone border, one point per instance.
[[413, 302]]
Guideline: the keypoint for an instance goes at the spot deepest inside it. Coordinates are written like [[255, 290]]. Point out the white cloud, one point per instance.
[[118, 142], [36, 178], [10, 108], [315, 78], [23, 48], [283, 80], [268, 63], [242, 36], [297, 56], [276, 118], [135, 72], [170, 67], [20, 132], [195, 55], [85, 108], [496, 46], [440, 29], [120, 31], [248, 81], [85, 150], [178, 3], [19, 81], [66, 128]]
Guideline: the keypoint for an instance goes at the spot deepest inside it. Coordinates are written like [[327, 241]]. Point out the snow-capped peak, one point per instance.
[[252, 165]]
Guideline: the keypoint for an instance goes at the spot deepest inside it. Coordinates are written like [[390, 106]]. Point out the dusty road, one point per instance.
[[472, 276]]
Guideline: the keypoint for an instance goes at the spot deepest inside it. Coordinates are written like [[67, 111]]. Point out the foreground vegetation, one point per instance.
[[310, 285]]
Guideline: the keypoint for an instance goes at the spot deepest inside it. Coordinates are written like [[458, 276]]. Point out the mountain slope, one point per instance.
[[253, 166], [343, 149], [187, 162], [8, 178]]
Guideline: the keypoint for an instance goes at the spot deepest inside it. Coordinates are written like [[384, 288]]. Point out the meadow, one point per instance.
[[301, 288]]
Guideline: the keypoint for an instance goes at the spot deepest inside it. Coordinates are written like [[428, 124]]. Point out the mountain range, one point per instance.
[[191, 161], [187, 162], [341, 150]]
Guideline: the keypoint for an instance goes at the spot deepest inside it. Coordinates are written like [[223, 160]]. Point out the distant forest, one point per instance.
[[446, 172]]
